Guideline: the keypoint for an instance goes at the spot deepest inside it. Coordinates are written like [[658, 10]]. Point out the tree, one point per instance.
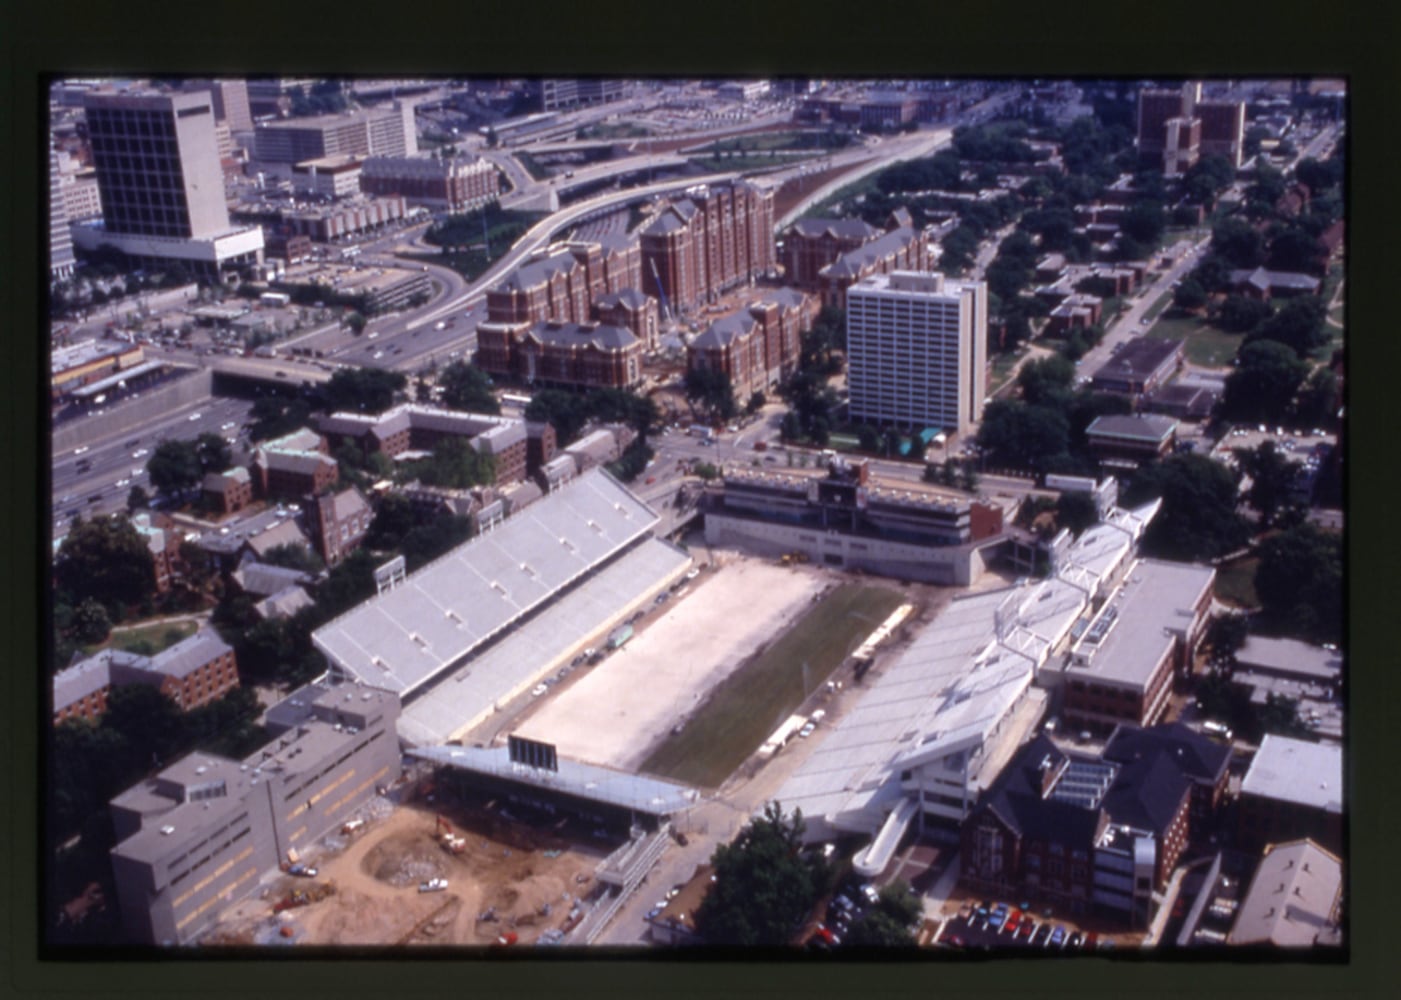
[[137, 499], [1240, 314], [1076, 511], [1300, 581], [1225, 636], [1198, 518], [175, 466], [149, 721], [274, 417], [467, 387], [891, 922], [107, 560], [356, 322], [1299, 323], [710, 388], [394, 518], [1145, 222], [1318, 399], [424, 543], [1022, 435], [1238, 242], [755, 404], [349, 582], [294, 556], [1047, 381], [1294, 248], [456, 465], [362, 390], [868, 437], [213, 452], [1190, 295], [1264, 382], [565, 411], [1271, 479], [90, 623], [763, 888]]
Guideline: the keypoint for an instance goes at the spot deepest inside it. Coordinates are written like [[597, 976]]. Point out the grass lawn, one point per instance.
[[1235, 582], [1002, 365], [1205, 344], [1156, 309], [157, 637], [741, 713]]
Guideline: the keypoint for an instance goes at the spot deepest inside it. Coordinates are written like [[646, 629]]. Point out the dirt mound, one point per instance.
[[404, 859]]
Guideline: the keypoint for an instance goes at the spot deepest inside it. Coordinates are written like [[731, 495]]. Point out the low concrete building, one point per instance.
[[1294, 788], [1122, 666], [1131, 441], [195, 838]]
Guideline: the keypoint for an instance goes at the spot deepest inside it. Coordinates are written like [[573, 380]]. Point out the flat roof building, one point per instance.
[[917, 350], [1293, 788], [378, 132], [1122, 667], [196, 837], [1138, 366]]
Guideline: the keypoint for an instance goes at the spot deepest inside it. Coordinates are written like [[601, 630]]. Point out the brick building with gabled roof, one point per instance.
[[758, 346]]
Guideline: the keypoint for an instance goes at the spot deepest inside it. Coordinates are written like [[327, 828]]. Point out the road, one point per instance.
[[1130, 322], [97, 478]]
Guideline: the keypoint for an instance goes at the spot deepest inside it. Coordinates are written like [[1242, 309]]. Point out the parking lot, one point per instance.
[[1026, 927]]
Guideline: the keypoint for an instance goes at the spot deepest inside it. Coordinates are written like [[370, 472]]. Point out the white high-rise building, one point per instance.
[[916, 346], [61, 261]]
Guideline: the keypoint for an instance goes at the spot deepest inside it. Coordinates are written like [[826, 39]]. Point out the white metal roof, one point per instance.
[[404, 637], [517, 662], [1309, 774]]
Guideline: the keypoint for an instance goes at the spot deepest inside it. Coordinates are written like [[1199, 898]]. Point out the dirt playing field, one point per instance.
[[615, 714], [525, 880]]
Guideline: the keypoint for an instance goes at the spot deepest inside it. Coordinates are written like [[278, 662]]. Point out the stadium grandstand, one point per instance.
[[483, 622]]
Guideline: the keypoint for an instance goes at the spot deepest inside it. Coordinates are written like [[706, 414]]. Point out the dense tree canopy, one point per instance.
[[273, 417], [1198, 519], [362, 390], [455, 464], [1299, 323], [106, 560], [763, 888], [1023, 435], [1267, 375], [1239, 243], [467, 387], [1300, 583], [710, 389], [1271, 478], [566, 411], [174, 466]]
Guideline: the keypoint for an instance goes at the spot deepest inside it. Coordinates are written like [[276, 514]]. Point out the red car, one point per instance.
[[1026, 928], [1014, 920]]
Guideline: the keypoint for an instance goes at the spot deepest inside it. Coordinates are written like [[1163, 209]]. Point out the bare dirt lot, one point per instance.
[[529, 879], [615, 714]]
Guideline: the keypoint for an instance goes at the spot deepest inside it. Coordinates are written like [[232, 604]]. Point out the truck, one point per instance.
[[275, 299], [702, 432], [620, 636]]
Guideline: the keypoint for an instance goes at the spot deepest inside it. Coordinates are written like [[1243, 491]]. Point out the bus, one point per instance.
[[515, 399]]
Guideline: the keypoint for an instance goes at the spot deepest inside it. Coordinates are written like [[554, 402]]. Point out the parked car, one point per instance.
[[538, 690], [433, 885], [1057, 938], [807, 730]]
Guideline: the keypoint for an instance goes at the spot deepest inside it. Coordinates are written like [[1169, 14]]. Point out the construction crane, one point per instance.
[[661, 292]]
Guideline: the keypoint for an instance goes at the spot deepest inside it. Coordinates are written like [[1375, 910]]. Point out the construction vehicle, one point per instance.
[[451, 842], [305, 897]]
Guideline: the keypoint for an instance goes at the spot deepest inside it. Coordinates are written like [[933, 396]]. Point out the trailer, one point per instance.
[[620, 636]]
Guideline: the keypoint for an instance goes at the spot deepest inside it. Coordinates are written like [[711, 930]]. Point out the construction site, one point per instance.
[[433, 871]]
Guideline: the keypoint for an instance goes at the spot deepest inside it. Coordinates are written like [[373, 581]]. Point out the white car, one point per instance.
[[80, 451], [433, 885], [538, 690], [140, 453], [807, 730], [193, 417]]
